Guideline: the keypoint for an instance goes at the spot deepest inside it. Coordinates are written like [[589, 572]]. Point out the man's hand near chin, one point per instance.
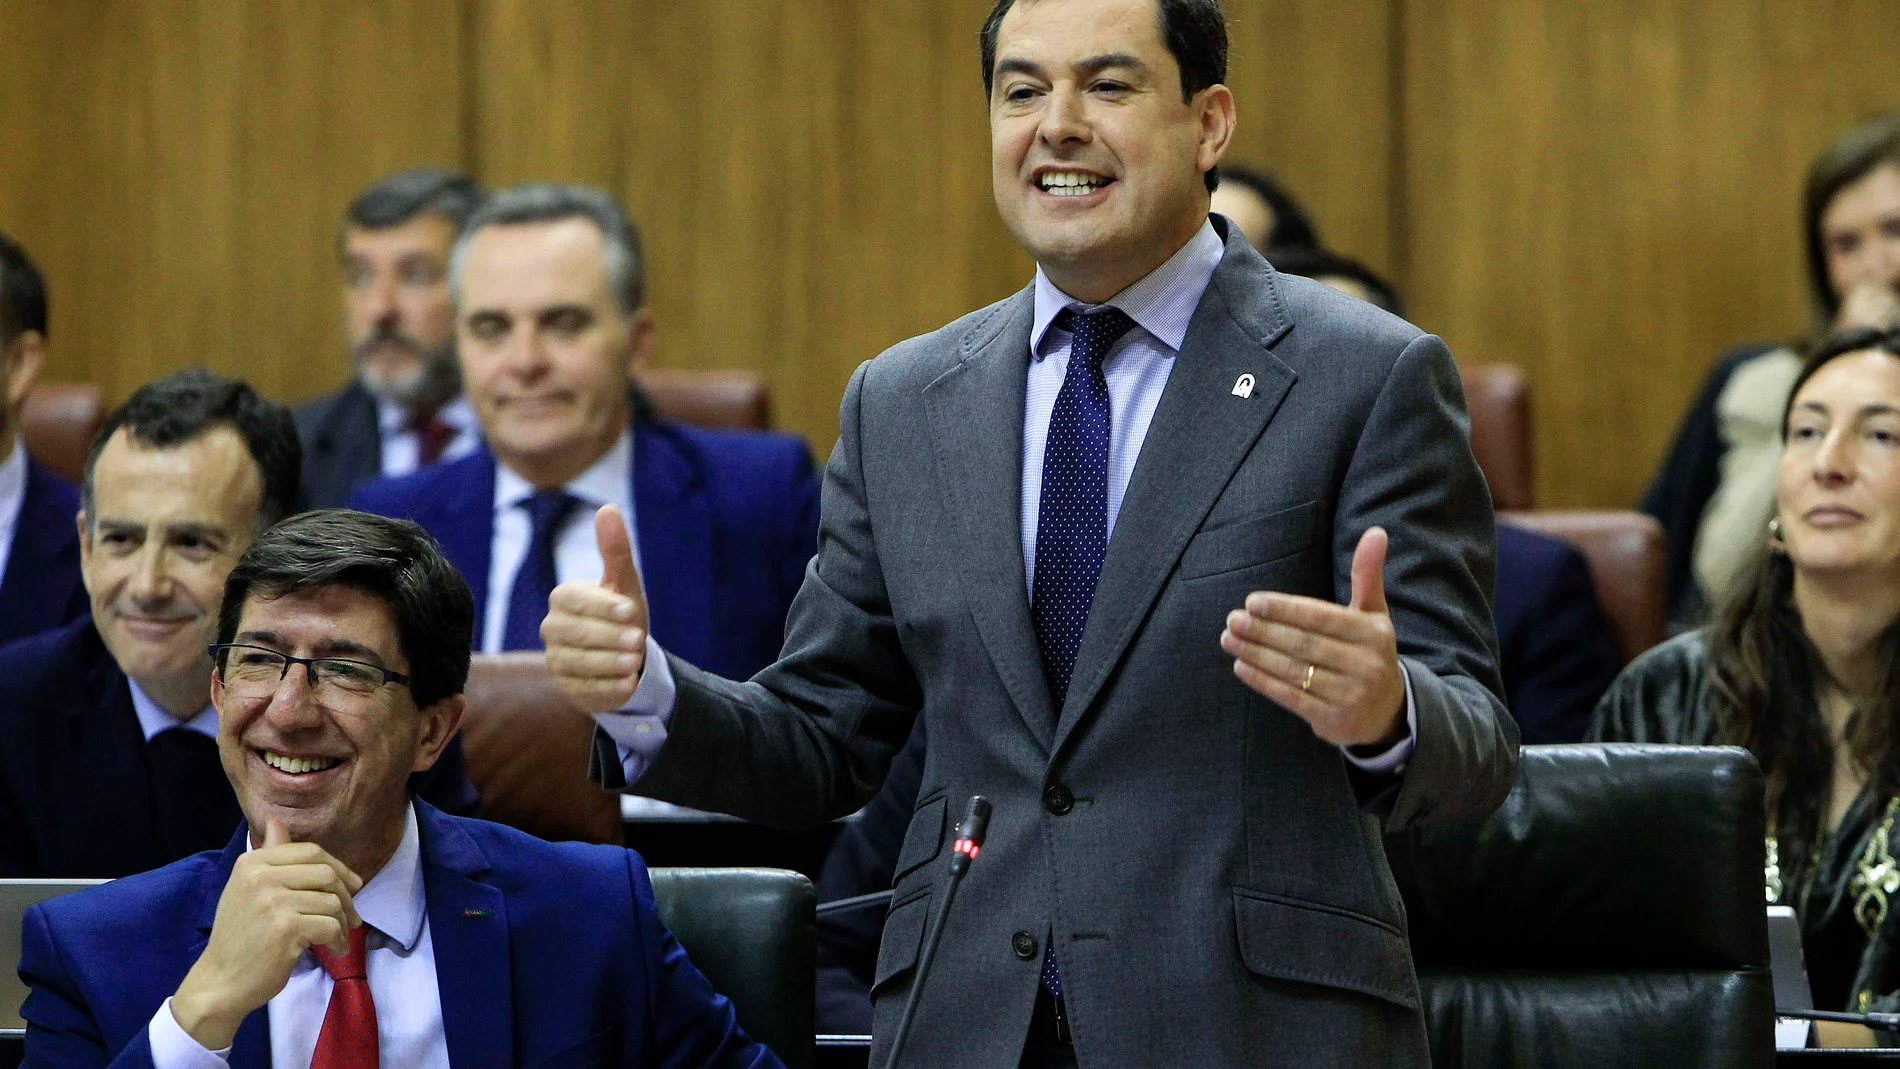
[[596, 633], [283, 898]]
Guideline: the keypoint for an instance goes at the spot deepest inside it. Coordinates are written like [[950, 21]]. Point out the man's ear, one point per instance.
[[1217, 126], [640, 339], [439, 724], [85, 549], [25, 356]]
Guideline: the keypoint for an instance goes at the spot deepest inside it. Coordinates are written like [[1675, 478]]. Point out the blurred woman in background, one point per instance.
[[1801, 666]]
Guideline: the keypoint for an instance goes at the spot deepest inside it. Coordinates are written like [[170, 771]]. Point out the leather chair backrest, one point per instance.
[[754, 933], [1625, 552], [58, 423], [709, 398], [527, 750], [1499, 400], [1610, 913]]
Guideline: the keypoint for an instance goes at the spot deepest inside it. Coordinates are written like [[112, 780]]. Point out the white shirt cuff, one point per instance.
[[638, 728], [173, 1047], [1394, 759]]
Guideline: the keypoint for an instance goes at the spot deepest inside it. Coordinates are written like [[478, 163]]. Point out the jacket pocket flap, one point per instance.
[[1317, 944], [923, 840], [903, 940], [1249, 542]]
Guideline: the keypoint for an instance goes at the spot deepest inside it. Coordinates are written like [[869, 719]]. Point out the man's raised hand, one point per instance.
[[282, 899], [596, 633], [1334, 666]]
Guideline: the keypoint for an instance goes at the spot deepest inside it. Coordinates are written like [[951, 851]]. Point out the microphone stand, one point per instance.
[[970, 834], [1879, 1022]]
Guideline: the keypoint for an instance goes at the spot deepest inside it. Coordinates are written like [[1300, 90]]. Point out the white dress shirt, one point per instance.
[[12, 499], [154, 719], [608, 481], [402, 443], [1137, 368], [400, 968]]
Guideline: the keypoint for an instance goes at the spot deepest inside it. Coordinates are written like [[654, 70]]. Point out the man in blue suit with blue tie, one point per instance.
[[551, 320], [349, 925], [39, 548]]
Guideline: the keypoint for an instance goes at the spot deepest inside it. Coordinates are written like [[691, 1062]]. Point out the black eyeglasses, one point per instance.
[[257, 671]]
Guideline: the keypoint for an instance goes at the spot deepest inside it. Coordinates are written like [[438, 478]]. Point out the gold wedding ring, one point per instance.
[[1307, 683]]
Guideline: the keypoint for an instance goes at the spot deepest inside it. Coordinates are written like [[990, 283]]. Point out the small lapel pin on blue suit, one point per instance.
[[1243, 386], [477, 913]]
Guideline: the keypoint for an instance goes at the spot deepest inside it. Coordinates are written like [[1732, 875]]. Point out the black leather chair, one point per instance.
[[1610, 914], [754, 933]]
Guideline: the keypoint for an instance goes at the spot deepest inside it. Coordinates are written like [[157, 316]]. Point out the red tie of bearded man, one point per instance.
[[432, 439], [348, 1039]]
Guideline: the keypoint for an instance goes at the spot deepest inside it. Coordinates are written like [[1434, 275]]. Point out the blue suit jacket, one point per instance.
[[726, 521], [41, 589], [1555, 650], [546, 954]]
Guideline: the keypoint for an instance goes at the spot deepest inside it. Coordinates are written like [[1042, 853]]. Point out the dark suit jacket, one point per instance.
[[342, 445], [75, 788], [42, 588], [726, 521], [546, 954], [1555, 648], [1212, 873]]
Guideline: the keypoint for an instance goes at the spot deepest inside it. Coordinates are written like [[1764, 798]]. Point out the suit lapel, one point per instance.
[[250, 1048], [673, 523], [107, 775], [468, 925], [1200, 434], [976, 423], [463, 523]]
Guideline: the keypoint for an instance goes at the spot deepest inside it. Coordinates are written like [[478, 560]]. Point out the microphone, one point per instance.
[[969, 842], [1879, 1022]]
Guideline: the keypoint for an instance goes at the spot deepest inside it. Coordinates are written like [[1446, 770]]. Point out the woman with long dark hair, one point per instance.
[[1801, 665]]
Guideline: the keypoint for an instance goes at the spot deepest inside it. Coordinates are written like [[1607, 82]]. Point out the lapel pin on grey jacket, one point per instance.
[[1243, 386]]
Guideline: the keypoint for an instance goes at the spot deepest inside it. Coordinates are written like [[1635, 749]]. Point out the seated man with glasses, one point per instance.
[[348, 923]]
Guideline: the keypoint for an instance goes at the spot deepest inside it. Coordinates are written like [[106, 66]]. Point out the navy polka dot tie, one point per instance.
[[534, 580], [1072, 520]]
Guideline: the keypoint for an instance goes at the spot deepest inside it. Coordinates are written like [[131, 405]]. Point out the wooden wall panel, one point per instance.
[[1608, 195], [178, 169]]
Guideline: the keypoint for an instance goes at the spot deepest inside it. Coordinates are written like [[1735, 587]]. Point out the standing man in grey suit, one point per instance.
[[1099, 535], [404, 408]]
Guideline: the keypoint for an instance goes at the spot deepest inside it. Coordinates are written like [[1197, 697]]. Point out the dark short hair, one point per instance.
[[548, 202], [1850, 158], [22, 293], [1318, 263], [393, 560], [407, 194], [185, 404], [1195, 32], [1292, 229]]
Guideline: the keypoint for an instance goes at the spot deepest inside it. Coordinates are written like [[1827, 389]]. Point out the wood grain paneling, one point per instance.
[[1608, 195], [178, 169]]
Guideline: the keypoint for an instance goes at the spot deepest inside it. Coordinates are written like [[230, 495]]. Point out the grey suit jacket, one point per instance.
[[1215, 882], [342, 445]]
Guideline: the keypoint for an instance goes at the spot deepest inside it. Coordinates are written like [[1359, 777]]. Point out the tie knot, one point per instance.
[[1097, 331], [350, 966], [546, 509]]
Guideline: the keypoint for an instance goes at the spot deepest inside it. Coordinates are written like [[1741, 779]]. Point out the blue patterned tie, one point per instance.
[[1072, 520], [534, 580]]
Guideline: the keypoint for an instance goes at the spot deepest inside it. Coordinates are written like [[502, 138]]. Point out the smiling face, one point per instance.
[[352, 753], [396, 307], [1860, 232], [167, 526], [1096, 160], [1838, 496], [547, 354]]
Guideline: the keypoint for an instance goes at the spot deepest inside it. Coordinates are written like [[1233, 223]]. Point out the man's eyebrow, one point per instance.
[[340, 647], [553, 311], [1014, 65], [259, 638], [194, 530], [1098, 64]]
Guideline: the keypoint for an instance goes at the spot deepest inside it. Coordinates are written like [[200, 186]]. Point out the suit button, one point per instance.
[[1057, 799], [1024, 945]]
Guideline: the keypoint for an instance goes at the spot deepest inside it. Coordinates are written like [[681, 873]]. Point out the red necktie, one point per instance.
[[348, 1039], [432, 437]]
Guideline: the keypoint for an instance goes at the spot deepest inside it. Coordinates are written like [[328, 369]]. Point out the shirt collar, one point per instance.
[[153, 719], [1161, 303], [395, 900], [393, 418], [608, 481]]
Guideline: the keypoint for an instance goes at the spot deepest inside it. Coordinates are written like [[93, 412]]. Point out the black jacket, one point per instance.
[[342, 445], [75, 787]]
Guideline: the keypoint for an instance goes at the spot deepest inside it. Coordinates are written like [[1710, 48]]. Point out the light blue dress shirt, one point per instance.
[[1137, 368]]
